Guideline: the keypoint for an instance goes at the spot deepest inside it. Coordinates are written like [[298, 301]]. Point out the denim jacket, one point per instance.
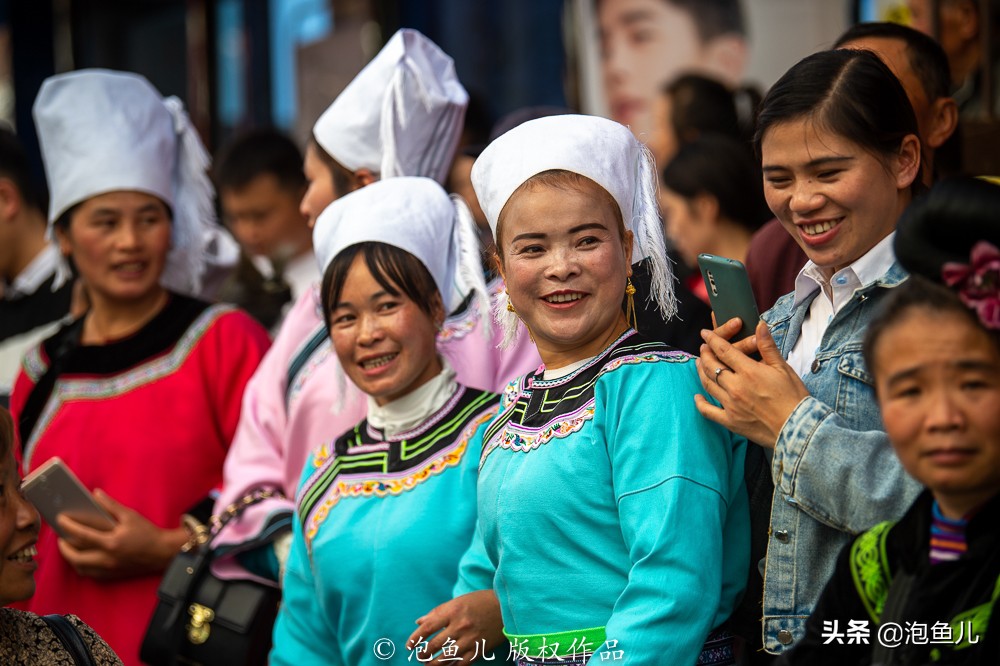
[[835, 473]]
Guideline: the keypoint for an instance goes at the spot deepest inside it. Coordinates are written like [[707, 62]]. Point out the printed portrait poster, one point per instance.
[[645, 44]]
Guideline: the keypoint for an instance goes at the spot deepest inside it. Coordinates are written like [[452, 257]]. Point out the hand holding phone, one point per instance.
[[729, 292], [54, 489]]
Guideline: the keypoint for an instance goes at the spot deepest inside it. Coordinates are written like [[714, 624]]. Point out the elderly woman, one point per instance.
[[598, 468], [934, 352]]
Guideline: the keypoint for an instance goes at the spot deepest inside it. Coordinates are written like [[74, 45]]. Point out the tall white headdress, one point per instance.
[[603, 151], [416, 215], [402, 114], [103, 131]]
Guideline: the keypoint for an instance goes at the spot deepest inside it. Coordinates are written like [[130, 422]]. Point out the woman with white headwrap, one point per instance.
[[140, 397], [385, 511], [400, 116], [614, 515]]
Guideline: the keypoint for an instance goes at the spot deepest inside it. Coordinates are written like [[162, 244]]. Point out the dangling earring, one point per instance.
[[630, 302], [510, 306]]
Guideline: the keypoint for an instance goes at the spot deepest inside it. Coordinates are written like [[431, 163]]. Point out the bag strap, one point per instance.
[[70, 638], [202, 534]]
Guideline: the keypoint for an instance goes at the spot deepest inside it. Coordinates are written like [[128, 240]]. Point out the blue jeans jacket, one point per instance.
[[835, 473]]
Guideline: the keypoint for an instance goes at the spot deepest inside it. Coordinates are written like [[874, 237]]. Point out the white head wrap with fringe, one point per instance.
[[104, 131], [602, 150], [402, 115]]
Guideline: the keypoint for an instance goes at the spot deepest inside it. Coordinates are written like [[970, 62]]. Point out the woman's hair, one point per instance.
[[698, 105], [396, 270], [851, 93], [723, 168], [559, 179], [915, 294], [6, 433], [341, 175]]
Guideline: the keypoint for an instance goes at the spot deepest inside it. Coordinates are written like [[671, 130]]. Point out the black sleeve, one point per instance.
[[839, 603]]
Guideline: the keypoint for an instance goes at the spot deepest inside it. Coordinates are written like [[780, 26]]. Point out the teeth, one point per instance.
[[814, 229], [563, 298], [24, 555], [371, 364], [133, 266]]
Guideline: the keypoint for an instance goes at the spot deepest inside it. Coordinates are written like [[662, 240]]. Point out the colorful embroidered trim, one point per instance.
[[35, 364], [68, 389]]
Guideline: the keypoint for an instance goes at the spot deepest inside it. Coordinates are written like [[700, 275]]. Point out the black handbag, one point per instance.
[[70, 639], [202, 620]]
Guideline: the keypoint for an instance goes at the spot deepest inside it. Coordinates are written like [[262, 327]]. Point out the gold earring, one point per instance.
[[510, 306], [630, 302]]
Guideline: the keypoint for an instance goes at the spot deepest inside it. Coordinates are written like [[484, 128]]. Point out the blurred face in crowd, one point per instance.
[[690, 223], [320, 190], [645, 44], [264, 217], [835, 198], [19, 525], [937, 377], [384, 341], [565, 259], [119, 243], [958, 23]]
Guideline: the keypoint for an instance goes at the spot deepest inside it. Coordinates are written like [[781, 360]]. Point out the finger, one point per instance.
[[80, 535], [82, 560], [427, 626], [747, 345], [729, 355], [710, 411], [729, 328], [769, 352], [111, 505]]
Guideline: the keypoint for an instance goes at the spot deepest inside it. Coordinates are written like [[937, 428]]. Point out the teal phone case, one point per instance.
[[729, 292]]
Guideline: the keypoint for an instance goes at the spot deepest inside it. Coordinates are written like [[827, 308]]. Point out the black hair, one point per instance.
[[256, 153], [724, 168], [6, 433], [341, 176], [926, 57], [851, 93], [396, 270], [700, 104], [917, 293], [14, 166], [714, 18]]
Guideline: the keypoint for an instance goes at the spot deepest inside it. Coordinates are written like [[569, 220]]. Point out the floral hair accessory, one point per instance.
[[978, 283]]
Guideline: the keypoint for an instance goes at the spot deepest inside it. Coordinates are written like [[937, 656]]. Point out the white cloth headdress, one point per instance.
[[416, 215], [103, 131], [600, 149], [402, 114]]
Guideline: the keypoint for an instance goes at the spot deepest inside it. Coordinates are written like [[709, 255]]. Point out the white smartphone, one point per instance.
[[54, 489]]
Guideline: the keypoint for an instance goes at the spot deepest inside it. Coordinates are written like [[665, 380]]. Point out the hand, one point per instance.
[[757, 397], [133, 547], [467, 620]]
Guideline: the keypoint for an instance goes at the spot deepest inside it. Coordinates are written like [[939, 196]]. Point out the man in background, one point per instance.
[[645, 44], [35, 293], [260, 183]]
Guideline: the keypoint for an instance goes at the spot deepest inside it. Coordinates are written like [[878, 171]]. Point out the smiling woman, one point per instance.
[[598, 459], [26, 638]]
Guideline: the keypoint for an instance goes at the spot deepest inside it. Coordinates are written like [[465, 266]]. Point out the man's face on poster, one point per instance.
[[645, 44]]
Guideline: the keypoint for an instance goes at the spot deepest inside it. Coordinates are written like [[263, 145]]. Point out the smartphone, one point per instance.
[[729, 292], [54, 489]]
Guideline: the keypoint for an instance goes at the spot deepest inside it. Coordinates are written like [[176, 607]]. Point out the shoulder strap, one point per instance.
[[70, 638]]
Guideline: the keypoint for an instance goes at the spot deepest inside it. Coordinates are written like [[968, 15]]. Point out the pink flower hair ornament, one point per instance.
[[978, 283]]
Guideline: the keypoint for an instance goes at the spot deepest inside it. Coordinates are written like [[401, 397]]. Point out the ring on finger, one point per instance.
[[718, 371]]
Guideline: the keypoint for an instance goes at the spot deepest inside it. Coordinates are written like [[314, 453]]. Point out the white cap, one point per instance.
[[402, 114], [602, 150], [416, 215], [103, 131]]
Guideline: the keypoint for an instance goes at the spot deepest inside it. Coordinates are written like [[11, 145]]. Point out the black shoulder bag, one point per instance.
[[203, 620], [70, 639]]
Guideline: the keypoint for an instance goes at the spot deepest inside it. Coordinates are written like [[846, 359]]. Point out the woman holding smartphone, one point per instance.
[[140, 396], [840, 155], [598, 468]]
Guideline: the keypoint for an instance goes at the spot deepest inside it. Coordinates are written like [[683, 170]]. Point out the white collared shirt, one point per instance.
[[834, 295], [42, 267]]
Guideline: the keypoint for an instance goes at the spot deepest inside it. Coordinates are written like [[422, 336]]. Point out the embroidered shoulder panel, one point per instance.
[[359, 464], [68, 388], [35, 364], [870, 569], [536, 411]]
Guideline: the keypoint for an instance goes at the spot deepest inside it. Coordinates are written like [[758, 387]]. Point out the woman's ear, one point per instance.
[[62, 237], [627, 240], [908, 161], [362, 178], [438, 313]]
